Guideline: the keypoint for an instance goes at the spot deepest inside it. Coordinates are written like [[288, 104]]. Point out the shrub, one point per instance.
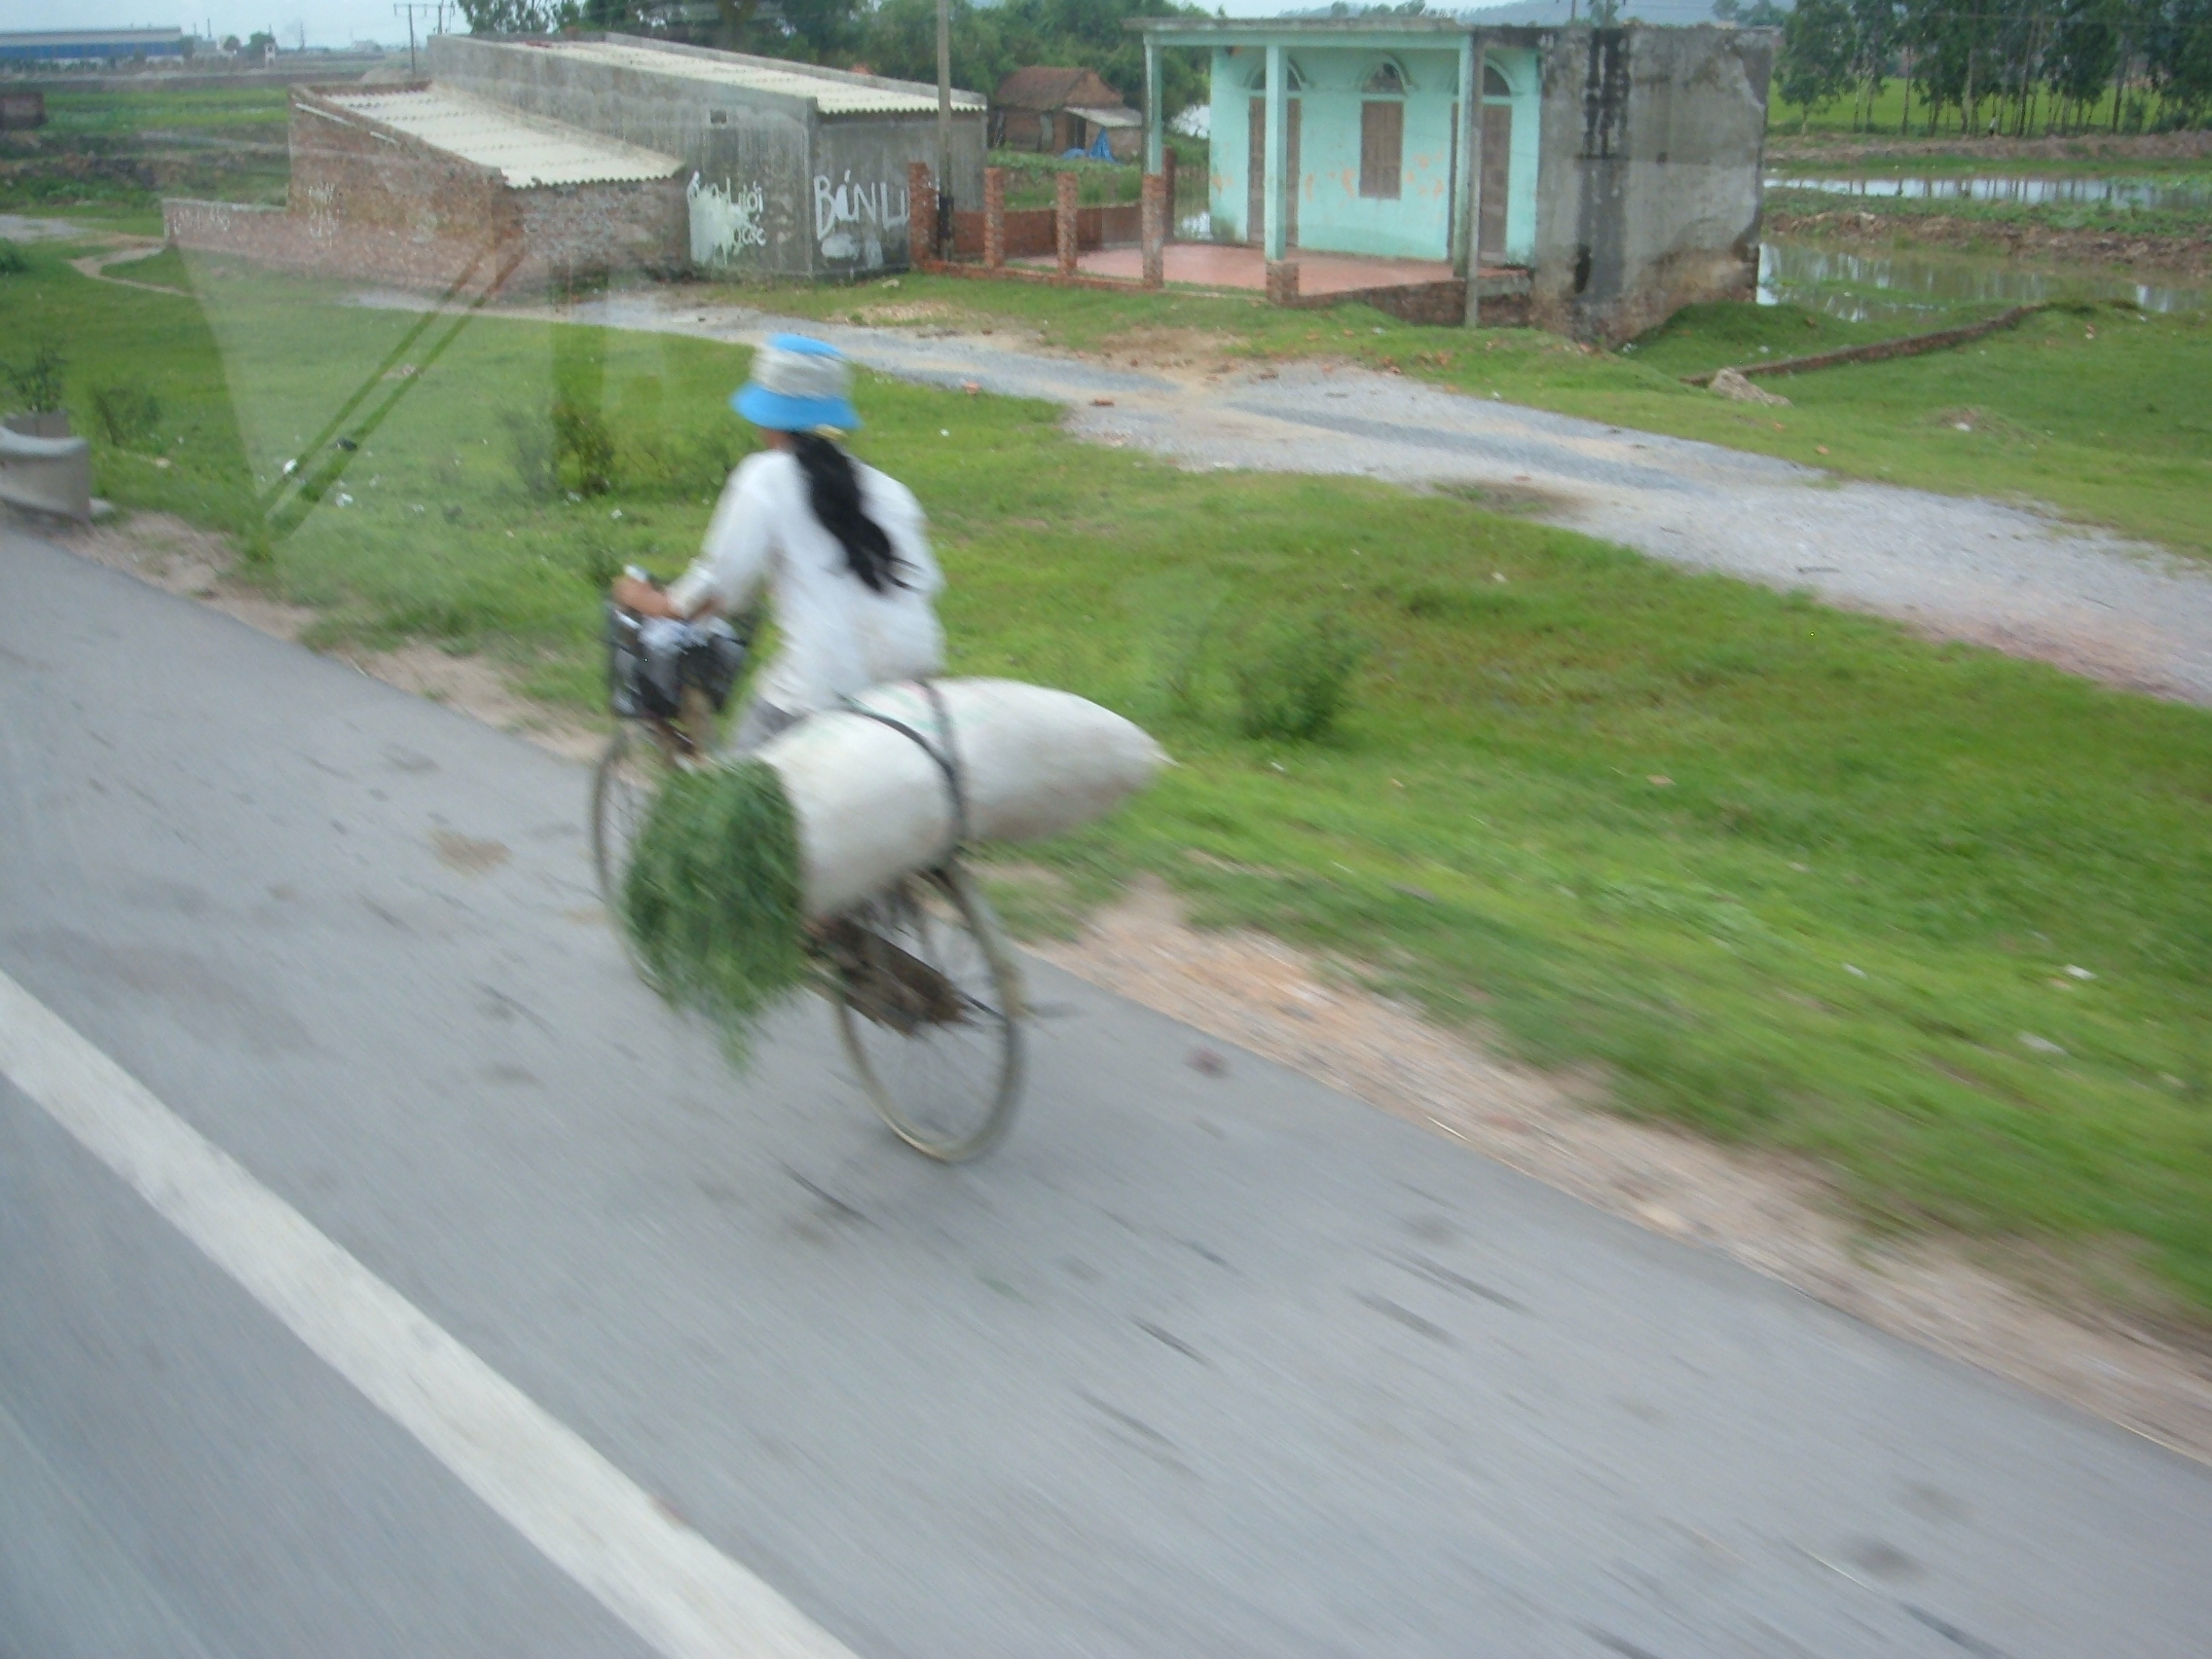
[[126, 414], [38, 383], [1293, 678], [530, 447], [11, 260], [583, 449]]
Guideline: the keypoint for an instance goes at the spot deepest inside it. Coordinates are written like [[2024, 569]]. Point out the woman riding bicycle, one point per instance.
[[839, 546]]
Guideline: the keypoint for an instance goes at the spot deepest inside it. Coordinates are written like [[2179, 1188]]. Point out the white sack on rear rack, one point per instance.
[[872, 805]]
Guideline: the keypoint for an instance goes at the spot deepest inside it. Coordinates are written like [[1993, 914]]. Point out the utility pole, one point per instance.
[[408, 9], [944, 116]]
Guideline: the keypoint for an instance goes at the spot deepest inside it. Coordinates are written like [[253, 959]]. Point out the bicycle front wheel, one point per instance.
[[629, 774], [929, 1004]]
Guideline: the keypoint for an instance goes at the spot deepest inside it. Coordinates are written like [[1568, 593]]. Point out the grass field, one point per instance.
[[108, 158], [2103, 413], [1789, 876]]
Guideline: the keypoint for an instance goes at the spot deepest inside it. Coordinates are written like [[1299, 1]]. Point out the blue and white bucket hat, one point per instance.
[[798, 384]]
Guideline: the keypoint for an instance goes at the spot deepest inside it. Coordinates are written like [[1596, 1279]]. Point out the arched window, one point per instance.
[[1494, 84], [1297, 79], [1389, 81]]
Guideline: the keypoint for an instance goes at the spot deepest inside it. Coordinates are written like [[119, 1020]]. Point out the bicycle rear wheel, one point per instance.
[[929, 1004]]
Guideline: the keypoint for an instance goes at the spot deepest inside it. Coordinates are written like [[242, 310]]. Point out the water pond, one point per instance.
[[2173, 194], [1863, 287]]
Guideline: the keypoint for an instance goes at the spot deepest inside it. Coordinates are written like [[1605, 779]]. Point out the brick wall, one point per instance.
[[1029, 231], [345, 166], [371, 204]]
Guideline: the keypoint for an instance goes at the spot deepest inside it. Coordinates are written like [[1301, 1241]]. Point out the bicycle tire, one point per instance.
[[909, 1076], [622, 786]]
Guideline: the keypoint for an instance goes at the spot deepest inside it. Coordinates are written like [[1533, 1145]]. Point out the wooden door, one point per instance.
[[1497, 175], [1256, 173]]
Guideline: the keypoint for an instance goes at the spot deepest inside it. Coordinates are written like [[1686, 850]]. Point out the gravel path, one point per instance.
[[2092, 602]]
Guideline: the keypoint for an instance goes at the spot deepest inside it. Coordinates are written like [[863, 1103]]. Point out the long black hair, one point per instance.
[[835, 490]]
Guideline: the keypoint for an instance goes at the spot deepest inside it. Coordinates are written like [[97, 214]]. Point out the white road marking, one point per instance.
[[660, 1578]]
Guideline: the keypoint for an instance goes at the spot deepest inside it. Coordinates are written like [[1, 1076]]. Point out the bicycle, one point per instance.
[[928, 997]]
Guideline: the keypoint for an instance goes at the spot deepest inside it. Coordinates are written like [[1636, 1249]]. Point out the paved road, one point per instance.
[[1193, 1365], [1963, 567]]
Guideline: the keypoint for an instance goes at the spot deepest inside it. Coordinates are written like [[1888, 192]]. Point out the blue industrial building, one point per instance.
[[77, 46]]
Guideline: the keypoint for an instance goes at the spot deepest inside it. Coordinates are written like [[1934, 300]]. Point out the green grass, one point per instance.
[[1903, 212], [1792, 877], [107, 158], [2115, 429]]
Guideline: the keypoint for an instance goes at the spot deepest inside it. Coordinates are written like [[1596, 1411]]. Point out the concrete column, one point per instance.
[[1151, 135], [1155, 215], [1283, 281], [1471, 229], [994, 217], [1167, 172], [1277, 209], [921, 214], [1063, 221]]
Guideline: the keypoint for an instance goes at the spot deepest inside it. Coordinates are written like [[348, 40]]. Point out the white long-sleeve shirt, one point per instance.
[[839, 635]]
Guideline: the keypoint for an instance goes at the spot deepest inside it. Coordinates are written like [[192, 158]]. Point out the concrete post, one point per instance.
[[1277, 205], [1473, 66], [49, 474], [994, 217], [1151, 135], [1063, 221], [1167, 172], [1283, 281], [1155, 220], [921, 214]]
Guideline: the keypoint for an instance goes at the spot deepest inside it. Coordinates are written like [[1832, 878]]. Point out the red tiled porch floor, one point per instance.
[[1218, 265]]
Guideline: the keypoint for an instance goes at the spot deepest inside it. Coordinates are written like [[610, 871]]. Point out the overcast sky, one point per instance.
[[341, 22]]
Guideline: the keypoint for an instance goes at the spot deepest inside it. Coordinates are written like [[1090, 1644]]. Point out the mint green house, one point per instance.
[[1371, 133], [1607, 174]]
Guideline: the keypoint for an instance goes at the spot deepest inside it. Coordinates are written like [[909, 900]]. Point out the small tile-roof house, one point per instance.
[[1612, 176], [1052, 110]]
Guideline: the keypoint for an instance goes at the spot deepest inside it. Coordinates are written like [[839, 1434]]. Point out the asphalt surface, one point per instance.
[[1193, 1364], [1998, 574]]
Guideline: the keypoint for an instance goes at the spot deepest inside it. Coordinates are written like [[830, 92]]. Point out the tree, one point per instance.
[[1817, 44], [516, 17], [2179, 48], [991, 42]]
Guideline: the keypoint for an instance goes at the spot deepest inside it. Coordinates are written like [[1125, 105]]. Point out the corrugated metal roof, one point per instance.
[[525, 149], [793, 81]]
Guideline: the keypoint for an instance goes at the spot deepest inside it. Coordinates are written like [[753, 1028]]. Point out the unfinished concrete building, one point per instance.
[[523, 163], [1612, 175]]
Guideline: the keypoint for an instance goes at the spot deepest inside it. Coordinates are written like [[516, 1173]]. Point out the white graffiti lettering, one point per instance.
[[851, 219], [725, 222]]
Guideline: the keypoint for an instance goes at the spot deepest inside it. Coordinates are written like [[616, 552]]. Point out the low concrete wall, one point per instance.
[[48, 475], [1648, 180]]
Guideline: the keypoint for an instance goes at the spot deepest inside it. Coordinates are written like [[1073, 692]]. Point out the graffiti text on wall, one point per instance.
[[851, 220], [725, 222]]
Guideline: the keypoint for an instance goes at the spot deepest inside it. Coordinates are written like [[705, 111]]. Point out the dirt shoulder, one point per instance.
[[1773, 1214], [178, 558]]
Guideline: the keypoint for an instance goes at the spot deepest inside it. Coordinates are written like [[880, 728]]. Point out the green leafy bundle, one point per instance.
[[711, 902]]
